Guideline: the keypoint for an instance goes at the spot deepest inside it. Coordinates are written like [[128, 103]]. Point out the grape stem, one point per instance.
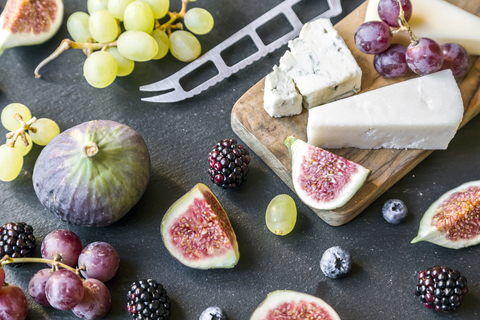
[[20, 132], [69, 44], [55, 264], [174, 16], [404, 26]]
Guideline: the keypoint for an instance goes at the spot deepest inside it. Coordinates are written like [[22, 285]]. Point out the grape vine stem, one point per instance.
[[404, 26], [8, 260], [20, 132]]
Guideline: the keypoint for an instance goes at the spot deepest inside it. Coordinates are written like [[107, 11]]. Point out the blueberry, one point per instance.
[[394, 211], [213, 313], [336, 262]]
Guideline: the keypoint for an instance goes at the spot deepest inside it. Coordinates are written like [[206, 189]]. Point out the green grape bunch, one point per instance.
[[24, 129], [115, 34]]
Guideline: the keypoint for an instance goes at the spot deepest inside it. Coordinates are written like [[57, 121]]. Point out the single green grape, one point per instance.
[[100, 69], [281, 215], [159, 7], [138, 16], [137, 45], [103, 26], [20, 144], [184, 46], [125, 66], [46, 130], [95, 5], [9, 112], [198, 21], [163, 43], [11, 162], [77, 26], [117, 7]]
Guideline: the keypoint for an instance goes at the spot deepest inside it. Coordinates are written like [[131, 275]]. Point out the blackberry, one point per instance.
[[441, 288], [17, 241], [147, 299], [228, 163]]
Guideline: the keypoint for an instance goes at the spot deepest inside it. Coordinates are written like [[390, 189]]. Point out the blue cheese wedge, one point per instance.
[[421, 113], [281, 98], [321, 65]]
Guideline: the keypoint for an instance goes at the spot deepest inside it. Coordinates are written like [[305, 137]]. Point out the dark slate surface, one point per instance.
[[179, 137]]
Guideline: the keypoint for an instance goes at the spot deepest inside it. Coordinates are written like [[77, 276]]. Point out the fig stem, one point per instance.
[[69, 44], [8, 260], [404, 26], [90, 150]]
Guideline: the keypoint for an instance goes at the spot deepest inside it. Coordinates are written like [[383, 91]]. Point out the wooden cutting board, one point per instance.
[[264, 135]]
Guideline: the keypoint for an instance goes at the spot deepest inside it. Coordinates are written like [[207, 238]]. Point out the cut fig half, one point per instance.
[[197, 232], [287, 304], [453, 221], [321, 179], [29, 22]]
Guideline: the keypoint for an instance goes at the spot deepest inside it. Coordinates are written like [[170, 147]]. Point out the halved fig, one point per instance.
[[286, 304], [29, 22], [321, 179], [197, 232], [453, 221]]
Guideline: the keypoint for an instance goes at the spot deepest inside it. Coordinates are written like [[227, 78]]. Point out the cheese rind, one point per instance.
[[421, 113], [321, 65], [280, 97], [438, 20]]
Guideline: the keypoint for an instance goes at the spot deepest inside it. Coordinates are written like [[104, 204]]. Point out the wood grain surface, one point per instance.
[[264, 135]]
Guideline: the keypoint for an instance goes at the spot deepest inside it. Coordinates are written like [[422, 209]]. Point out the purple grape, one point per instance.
[[96, 301], [389, 11], [373, 37], [36, 287], [391, 63], [425, 57], [64, 289], [455, 58], [13, 303], [63, 242], [100, 260]]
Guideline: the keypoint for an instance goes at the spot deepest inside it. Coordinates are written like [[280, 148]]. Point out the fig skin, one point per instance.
[[94, 190]]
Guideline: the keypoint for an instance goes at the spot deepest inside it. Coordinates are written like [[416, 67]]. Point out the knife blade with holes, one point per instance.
[[214, 55]]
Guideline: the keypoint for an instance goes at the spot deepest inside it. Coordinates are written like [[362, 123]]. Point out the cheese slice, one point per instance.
[[438, 20], [280, 97], [421, 113], [321, 65]]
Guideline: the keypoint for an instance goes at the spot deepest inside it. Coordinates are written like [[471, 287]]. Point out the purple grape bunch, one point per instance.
[[61, 286], [423, 56]]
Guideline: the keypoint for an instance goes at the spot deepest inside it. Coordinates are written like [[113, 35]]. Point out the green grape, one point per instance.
[[281, 215], [159, 7], [11, 162], [103, 26], [163, 43], [46, 130], [117, 7], [198, 21], [138, 16], [20, 144], [77, 26], [8, 115], [137, 45], [95, 5], [100, 69], [125, 66], [184, 46]]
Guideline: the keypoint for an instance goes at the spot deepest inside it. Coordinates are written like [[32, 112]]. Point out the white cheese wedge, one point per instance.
[[421, 113], [321, 65], [438, 20], [280, 97]]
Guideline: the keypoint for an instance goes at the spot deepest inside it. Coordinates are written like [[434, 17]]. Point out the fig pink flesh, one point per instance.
[[298, 311], [323, 174], [201, 232], [29, 15], [458, 217]]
